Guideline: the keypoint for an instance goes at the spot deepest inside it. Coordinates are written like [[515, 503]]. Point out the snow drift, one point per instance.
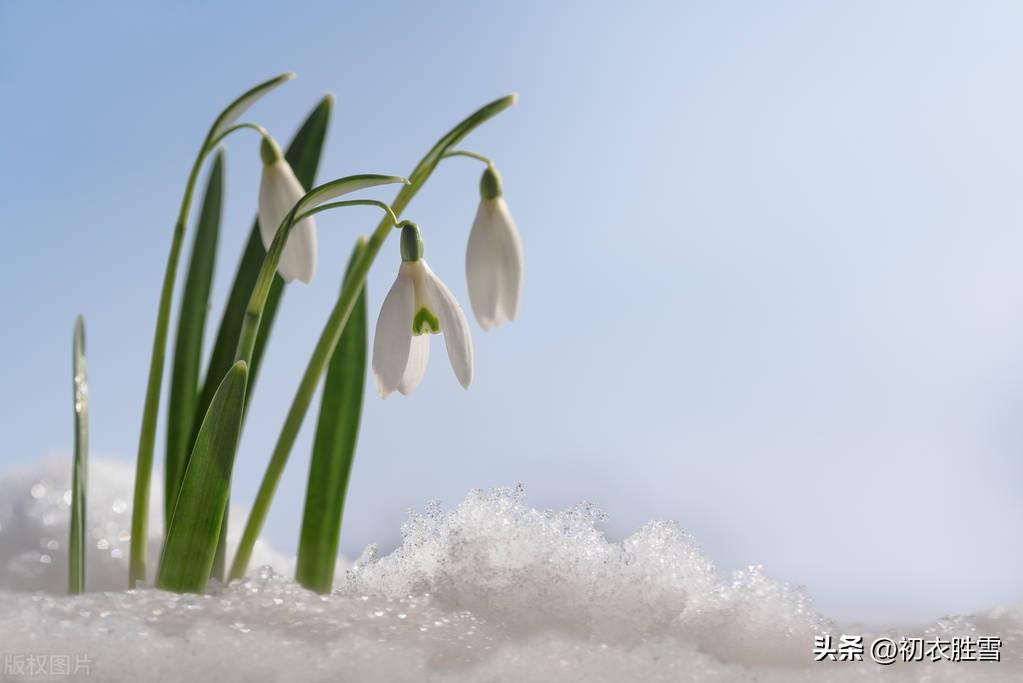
[[491, 590]]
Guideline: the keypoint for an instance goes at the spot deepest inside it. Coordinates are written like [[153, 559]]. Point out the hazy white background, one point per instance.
[[773, 253]]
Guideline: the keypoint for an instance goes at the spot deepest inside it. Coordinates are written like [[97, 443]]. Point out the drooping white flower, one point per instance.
[[417, 305], [493, 257], [279, 191]]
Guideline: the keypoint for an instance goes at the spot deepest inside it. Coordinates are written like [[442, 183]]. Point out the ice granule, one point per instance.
[[492, 590]]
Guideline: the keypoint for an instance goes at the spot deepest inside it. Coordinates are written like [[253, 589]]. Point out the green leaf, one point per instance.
[[79, 471], [194, 532], [304, 157], [334, 448], [195, 301]]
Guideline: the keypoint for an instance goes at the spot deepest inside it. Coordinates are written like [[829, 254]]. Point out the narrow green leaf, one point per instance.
[[79, 471], [194, 532], [334, 448], [304, 157], [195, 302]]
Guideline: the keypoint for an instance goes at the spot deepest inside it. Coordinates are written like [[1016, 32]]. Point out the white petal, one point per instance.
[[418, 356], [392, 341], [494, 264], [480, 267], [453, 325], [298, 262], [509, 256], [279, 191]]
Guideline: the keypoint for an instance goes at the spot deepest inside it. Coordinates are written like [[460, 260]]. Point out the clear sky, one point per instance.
[[773, 284]]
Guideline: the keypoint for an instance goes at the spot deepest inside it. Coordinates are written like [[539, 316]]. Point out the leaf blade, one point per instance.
[[194, 307], [303, 155], [334, 448], [194, 531], [79, 468]]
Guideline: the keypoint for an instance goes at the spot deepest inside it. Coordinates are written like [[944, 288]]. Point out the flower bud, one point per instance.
[[490, 183], [411, 243]]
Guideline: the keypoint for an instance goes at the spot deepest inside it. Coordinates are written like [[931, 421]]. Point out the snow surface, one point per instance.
[[492, 590]]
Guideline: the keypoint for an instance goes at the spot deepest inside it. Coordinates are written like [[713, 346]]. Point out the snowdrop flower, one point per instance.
[[493, 258], [418, 305], [279, 191]]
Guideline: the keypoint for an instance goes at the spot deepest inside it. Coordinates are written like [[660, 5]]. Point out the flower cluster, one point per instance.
[[419, 304]]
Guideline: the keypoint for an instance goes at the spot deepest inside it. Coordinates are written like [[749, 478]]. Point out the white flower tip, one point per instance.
[[381, 389], [288, 76], [485, 322], [329, 98]]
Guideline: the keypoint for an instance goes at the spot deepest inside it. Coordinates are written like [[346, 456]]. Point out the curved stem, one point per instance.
[[348, 202], [260, 291], [147, 436], [263, 133], [467, 153], [335, 326]]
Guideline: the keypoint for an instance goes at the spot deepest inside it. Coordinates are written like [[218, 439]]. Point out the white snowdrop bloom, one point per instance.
[[493, 257], [417, 305], [279, 191]]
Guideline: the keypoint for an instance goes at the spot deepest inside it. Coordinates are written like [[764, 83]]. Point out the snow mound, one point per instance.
[[35, 510], [492, 590]]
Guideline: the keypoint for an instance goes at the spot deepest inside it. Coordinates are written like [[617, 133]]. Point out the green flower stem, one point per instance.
[[310, 203], [467, 153], [260, 291], [147, 438], [147, 435], [304, 396], [335, 326], [349, 202], [263, 133]]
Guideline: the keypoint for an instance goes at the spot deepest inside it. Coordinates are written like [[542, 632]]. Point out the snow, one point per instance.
[[491, 590]]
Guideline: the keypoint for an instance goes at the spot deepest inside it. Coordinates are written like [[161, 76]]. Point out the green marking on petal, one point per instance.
[[425, 322]]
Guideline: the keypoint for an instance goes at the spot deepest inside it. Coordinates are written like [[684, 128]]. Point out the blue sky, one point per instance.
[[772, 284]]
